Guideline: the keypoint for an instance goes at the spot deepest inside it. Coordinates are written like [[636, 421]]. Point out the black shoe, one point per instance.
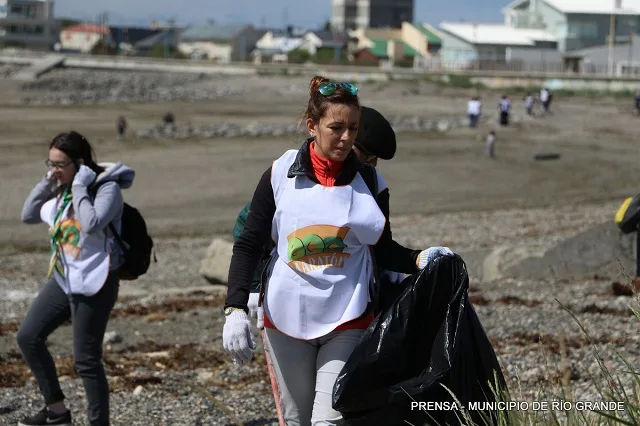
[[45, 418]]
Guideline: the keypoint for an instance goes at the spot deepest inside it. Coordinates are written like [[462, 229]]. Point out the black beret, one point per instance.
[[376, 136]]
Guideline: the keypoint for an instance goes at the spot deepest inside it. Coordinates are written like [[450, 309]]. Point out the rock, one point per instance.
[[257, 129], [443, 126], [531, 375], [626, 289], [138, 390], [111, 337], [7, 409], [205, 376], [215, 265], [601, 249], [159, 354], [500, 259]]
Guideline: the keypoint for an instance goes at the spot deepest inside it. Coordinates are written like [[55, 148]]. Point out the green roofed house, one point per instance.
[[380, 47], [393, 45], [423, 38]]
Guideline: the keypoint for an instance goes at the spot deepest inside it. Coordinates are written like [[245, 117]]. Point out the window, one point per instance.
[[583, 30], [17, 10], [351, 11]]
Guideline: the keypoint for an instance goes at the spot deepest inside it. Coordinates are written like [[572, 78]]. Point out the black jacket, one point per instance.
[[247, 250]]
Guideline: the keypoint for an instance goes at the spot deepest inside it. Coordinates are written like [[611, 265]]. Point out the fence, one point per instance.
[[569, 66]]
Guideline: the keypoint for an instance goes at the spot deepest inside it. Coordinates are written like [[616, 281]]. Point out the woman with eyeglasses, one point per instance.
[[77, 199], [315, 205]]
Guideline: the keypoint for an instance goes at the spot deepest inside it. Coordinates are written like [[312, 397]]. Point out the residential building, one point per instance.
[[275, 45], [315, 41], [166, 40], [467, 44], [625, 58], [354, 14], [125, 38], [422, 37], [577, 24], [220, 43], [388, 45], [363, 36], [28, 23], [82, 38]]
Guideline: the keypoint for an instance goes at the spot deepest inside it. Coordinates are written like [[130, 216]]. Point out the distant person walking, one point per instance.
[[545, 100], [638, 102], [491, 142], [474, 109], [169, 122], [504, 106], [121, 126], [529, 102]]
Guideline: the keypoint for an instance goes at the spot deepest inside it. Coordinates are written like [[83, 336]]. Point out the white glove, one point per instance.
[[256, 311], [253, 304], [237, 338], [426, 256], [260, 319], [84, 176]]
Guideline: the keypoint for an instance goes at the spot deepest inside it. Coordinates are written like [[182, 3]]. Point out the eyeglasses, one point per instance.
[[327, 89], [57, 165]]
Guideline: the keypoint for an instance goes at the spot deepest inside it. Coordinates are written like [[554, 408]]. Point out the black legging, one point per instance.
[[89, 316]]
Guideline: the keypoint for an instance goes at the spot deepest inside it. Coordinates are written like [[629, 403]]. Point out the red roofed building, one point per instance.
[[83, 37]]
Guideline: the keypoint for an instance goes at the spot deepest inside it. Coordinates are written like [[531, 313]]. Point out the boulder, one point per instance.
[[601, 250], [215, 265]]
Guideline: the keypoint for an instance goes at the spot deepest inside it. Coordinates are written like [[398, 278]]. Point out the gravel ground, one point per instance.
[[164, 355], [190, 381]]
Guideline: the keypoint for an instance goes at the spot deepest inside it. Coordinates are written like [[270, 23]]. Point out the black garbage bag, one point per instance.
[[428, 337]]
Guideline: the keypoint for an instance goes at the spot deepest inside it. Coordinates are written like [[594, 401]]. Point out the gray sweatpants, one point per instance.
[[306, 371], [89, 316]]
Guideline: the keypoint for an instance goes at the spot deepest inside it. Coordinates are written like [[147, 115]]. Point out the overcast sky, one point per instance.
[[271, 13]]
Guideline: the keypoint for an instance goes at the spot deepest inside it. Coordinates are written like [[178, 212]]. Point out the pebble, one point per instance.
[[111, 337]]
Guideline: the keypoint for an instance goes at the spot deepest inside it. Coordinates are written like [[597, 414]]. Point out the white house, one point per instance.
[[83, 37], [220, 43], [313, 41], [466, 43], [276, 44]]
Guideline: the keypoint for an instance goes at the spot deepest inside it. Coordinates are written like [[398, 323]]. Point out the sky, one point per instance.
[[262, 13]]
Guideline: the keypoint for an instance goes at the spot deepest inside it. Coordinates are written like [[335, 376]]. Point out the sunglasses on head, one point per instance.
[[326, 89]]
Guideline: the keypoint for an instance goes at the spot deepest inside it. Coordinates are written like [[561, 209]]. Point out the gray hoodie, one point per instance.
[[94, 215]]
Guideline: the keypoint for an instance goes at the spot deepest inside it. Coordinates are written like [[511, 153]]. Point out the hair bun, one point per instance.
[[316, 81]]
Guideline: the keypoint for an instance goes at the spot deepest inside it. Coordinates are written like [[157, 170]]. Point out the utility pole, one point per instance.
[[612, 36], [105, 36], [612, 24]]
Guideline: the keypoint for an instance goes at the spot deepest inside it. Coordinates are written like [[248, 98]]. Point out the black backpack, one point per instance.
[[135, 242]]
